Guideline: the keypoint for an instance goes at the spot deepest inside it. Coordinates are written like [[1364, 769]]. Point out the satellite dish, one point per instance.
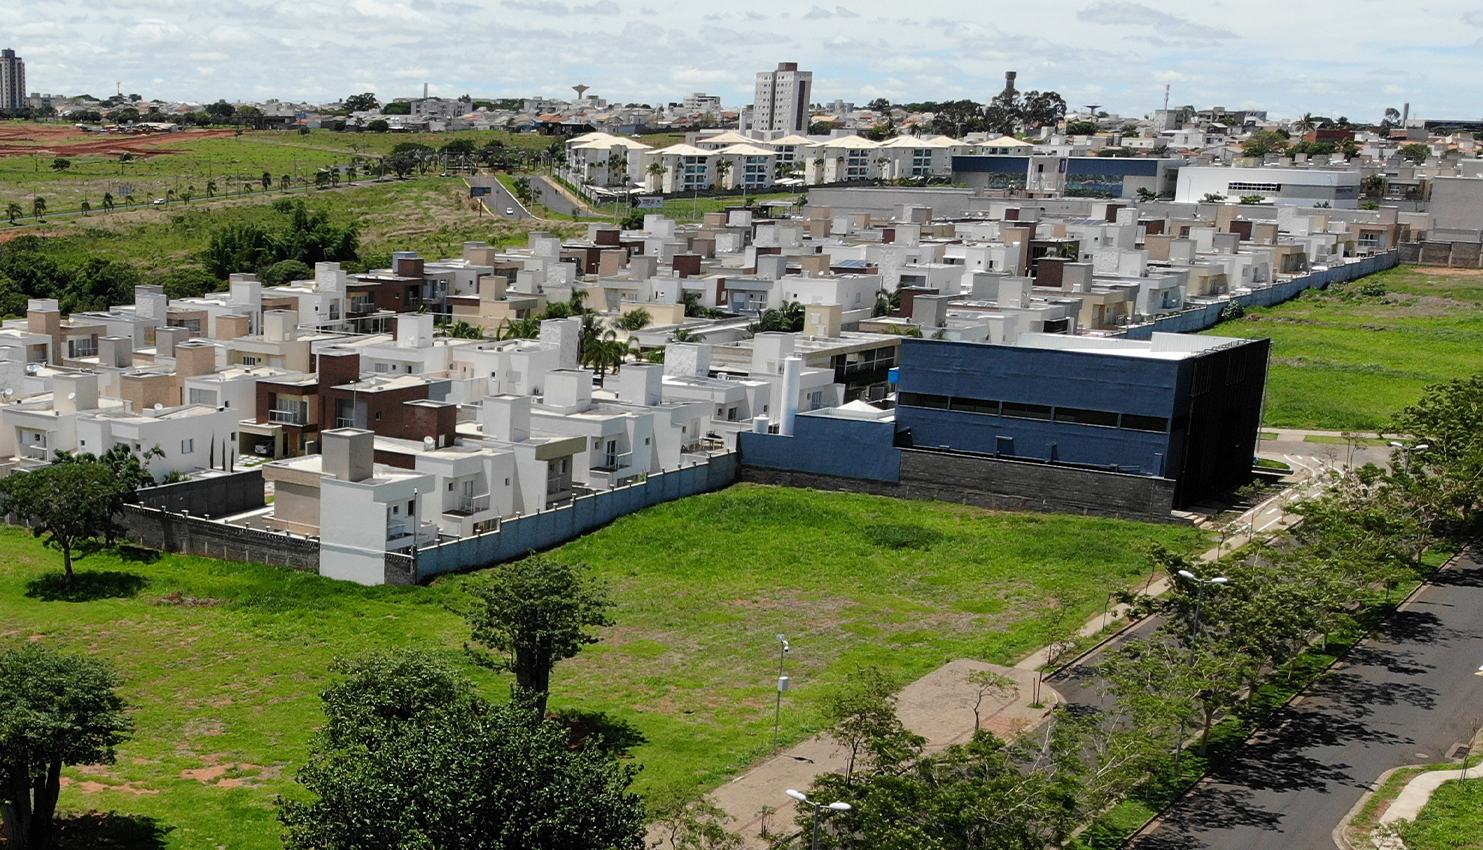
[[428, 444], [9, 392], [158, 406], [71, 396]]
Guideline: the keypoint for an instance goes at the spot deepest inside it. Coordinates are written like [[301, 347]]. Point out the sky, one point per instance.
[[1325, 57]]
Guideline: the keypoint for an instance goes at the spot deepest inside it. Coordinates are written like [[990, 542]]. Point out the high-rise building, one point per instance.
[[783, 98], [12, 80]]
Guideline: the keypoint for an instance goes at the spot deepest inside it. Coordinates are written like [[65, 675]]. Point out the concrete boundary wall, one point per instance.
[[189, 535], [999, 484], [519, 536], [1457, 255], [1207, 316], [219, 495]]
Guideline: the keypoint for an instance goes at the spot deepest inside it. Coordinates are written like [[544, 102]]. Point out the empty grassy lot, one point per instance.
[[1341, 361], [193, 158], [224, 662], [431, 215]]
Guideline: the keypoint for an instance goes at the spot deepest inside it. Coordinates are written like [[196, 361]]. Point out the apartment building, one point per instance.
[[782, 102]]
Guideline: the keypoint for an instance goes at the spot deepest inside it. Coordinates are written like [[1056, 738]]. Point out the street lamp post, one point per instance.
[[1194, 640], [783, 683], [833, 807], [1409, 450]]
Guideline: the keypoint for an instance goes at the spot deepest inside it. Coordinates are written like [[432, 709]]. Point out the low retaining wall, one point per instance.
[[999, 484], [519, 536], [189, 535], [1208, 315]]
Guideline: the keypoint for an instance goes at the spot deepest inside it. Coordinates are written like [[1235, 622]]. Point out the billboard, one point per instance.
[[651, 202]]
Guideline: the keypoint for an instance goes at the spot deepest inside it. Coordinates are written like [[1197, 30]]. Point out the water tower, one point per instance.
[[581, 91]]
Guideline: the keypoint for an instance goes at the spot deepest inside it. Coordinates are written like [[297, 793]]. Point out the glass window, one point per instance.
[[935, 402], [1156, 424], [1086, 417], [1019, 410], [976, 405]]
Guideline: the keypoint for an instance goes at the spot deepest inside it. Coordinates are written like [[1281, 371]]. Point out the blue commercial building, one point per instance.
[[1184, 409], [1071, 176]]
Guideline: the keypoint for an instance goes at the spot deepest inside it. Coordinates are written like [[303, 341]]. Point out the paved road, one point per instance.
[[499, 199], [547, 194], [1406, 696]]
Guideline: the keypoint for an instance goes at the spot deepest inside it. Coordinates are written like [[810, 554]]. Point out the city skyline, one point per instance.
[[1117, 54]]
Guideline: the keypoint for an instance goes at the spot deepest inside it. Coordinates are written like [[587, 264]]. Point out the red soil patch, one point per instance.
[[206, 774], [60, 141]]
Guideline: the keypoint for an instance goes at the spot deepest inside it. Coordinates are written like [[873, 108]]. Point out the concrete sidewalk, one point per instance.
[[938, 706]]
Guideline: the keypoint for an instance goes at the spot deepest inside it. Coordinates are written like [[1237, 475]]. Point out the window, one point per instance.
[[250, 360], [1154, 424], [87, 347], [202, 396], [1100, 418], [935, 402], [383, 367], [975, 405], [1019, 410], [1242, 186], [187, 446]]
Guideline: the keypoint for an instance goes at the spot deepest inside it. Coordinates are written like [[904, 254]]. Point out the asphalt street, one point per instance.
[[1408, 695]]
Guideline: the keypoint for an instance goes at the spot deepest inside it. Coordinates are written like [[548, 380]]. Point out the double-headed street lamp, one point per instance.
[[1194, 639], [1409, 450], [818, 807], [1199, 600]]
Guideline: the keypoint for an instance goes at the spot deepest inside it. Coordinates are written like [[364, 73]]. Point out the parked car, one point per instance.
[[159, 202]]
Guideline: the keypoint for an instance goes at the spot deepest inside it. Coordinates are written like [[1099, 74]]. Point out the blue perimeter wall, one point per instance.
[[518, 537], [828, 445], [1208, 315]]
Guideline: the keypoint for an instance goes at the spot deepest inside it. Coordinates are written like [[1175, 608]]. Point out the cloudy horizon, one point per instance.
[[1354, 60]]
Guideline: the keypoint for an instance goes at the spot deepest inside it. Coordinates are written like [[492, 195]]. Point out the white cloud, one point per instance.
[[1137, 14], [1116, 52]]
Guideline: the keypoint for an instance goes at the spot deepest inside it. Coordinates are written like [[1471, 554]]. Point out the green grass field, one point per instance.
[[694, 209], [1451, 820], [430, 215], [226, 691], [230, 162], [1349, 363]]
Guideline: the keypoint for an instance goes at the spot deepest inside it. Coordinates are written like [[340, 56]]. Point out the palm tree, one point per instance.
[[210, 189], [1306, 123], [38, 207], [108, 202], [129, 200], [604, 353], [635, 320], [284, 182], [169, 195], [13, 211], [463, 330], [656, 170], [187, 193], [267, 180], [86, 207], [247, 188]]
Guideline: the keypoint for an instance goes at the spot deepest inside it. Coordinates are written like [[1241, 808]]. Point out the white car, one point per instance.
[[159, 202], [509, 210]]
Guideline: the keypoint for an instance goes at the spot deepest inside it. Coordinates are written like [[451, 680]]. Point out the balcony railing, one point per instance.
[[398, 529], [288, 417], [471, 505], [615, 462], [35, 452]]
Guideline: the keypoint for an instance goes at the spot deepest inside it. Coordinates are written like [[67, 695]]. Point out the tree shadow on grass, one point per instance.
[[86, 586], [135, 554], [111, 830], [600, 729]]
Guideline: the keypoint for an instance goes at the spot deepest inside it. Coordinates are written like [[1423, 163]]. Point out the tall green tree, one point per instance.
[[410, 757], [69, 503], [861, 716], [56, 709], [535, 612]]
